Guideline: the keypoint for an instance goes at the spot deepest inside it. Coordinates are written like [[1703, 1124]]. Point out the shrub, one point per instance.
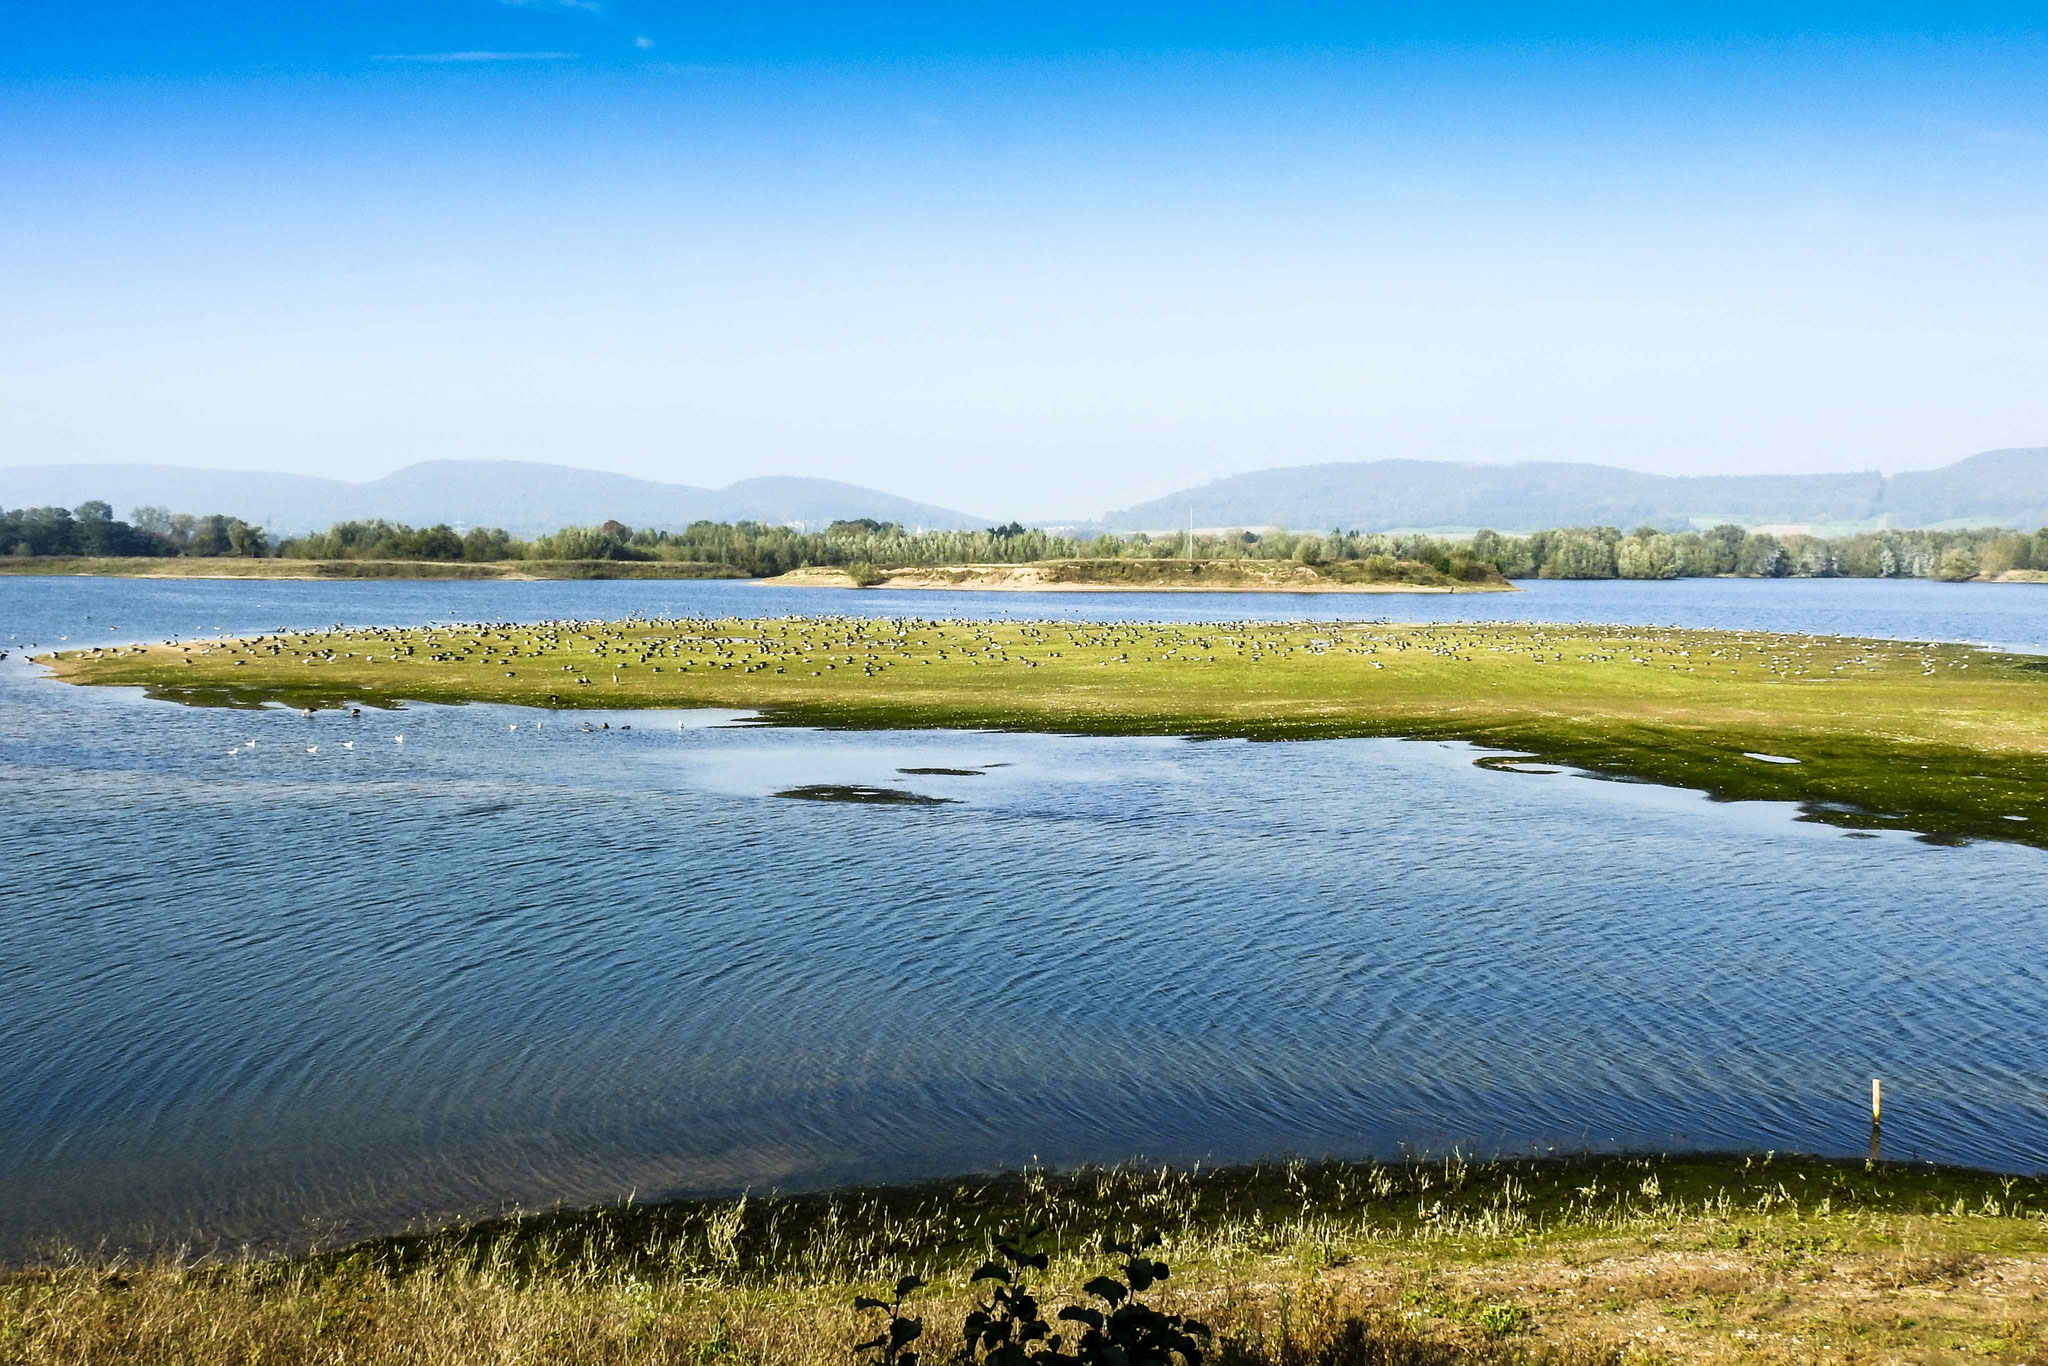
[[1010, 1327], [1500, 1318]]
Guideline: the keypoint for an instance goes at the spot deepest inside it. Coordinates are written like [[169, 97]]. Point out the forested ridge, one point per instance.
[[2008, 487]]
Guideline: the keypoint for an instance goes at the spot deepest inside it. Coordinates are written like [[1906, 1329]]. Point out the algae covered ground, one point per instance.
[[1611, 1259], [1941, 739]]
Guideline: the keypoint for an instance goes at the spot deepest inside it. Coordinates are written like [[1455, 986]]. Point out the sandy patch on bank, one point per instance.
[[1031, 578]]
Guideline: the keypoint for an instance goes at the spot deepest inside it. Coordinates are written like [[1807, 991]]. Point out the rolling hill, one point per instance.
[[2008, 487], [524, 498]]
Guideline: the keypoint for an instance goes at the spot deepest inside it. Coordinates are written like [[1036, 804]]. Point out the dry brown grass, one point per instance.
[[1584, 1260]]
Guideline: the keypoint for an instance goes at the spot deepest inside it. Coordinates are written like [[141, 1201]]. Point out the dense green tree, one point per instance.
[[483, 545], [1956, 565], [2007, 552], [1581, 554], [1725, 543], [245, 541], [1696, 559], [1647, 554], [1809, 557], [1762, 556], [97, 533], [210, 537]]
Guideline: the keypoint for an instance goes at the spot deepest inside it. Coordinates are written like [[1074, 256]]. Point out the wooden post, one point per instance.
[[1876, 1119]]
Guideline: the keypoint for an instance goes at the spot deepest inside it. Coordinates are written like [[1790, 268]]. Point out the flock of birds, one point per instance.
[[652, 661], [554, 656], [641, 650]]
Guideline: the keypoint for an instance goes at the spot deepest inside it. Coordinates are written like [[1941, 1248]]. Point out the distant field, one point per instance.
[[196, 567], [1885, 735]]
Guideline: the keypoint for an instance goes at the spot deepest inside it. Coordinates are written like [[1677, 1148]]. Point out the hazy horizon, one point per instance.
[[1040, 264], [1071, 516]]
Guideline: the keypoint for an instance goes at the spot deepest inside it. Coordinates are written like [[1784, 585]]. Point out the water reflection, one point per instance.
[[244, 991]]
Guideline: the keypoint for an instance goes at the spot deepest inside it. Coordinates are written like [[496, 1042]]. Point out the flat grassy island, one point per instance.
[[1608, 1260], [1941, 739]]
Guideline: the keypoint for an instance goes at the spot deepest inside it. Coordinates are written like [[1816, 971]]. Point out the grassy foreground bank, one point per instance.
[[225, 567], [1604, 1259], [1941, 739]]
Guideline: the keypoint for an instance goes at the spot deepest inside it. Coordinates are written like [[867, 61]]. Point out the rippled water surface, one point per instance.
[[267, 995]]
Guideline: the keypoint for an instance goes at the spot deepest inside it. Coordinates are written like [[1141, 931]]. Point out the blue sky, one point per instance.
[[1032, 261]]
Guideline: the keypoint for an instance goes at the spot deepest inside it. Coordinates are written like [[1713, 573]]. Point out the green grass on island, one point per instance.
[[1662, 1259], [1941, 739]]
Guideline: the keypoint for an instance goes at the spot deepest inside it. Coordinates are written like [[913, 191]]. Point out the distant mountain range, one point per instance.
[[525, 499], [2006, 488]]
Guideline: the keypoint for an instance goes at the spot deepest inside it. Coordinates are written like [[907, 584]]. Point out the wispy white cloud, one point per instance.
[[473, 57], [643, 42]]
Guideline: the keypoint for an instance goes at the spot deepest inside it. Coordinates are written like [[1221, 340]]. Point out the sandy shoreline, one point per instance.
[[1027, 578]]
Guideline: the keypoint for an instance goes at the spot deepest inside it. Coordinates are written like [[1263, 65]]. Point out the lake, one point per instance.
[[275, 997]]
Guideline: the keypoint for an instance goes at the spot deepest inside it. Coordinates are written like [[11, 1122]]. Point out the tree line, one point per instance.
[[1600, 552], [1565, 553], [753, 547], [155, 532], [1648, 553]]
